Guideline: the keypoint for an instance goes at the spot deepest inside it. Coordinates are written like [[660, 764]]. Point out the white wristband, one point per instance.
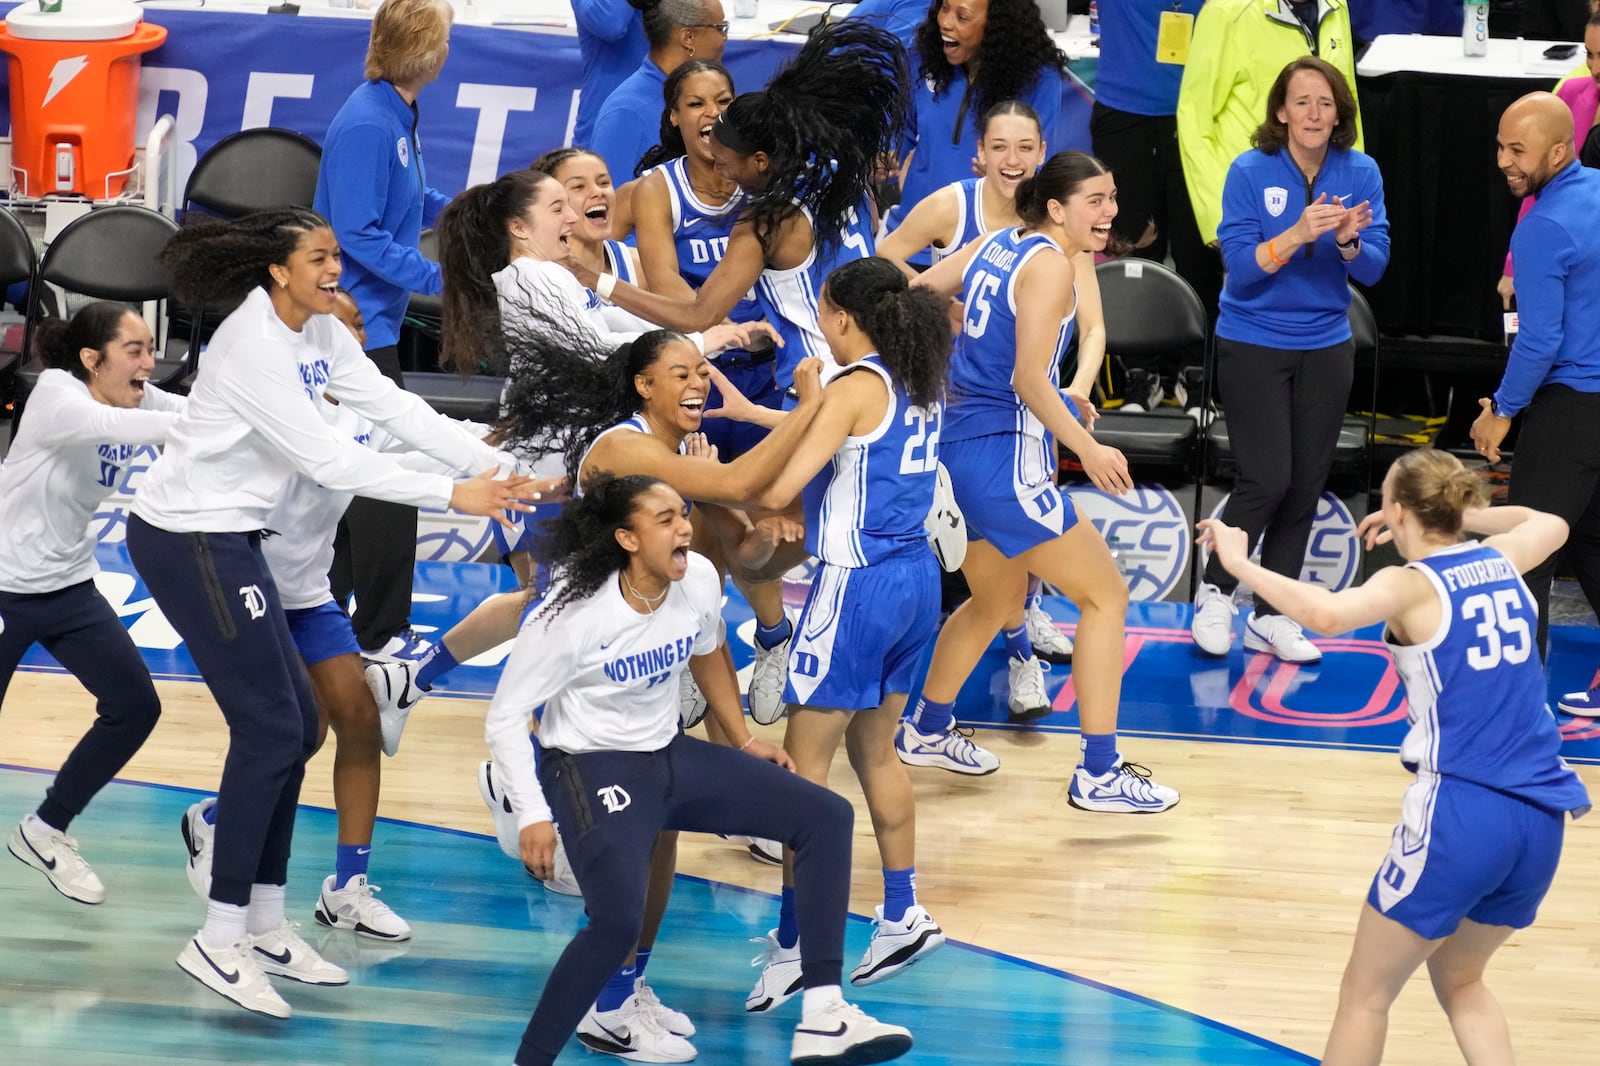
[[605, 286]]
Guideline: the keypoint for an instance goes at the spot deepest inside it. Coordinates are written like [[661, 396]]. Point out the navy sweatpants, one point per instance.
[[78, 627], [609, 806], [218, 594]]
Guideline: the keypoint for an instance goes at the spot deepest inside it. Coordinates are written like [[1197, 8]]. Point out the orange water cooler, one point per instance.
[[75, 95]]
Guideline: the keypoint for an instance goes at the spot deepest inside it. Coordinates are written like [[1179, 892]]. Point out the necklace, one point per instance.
[[649, 603]]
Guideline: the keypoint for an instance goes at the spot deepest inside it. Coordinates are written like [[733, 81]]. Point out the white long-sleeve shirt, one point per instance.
[[66, 460], [251, 424], [606, 674]]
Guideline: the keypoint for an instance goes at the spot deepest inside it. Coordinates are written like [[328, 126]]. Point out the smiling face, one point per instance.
[[1309, 112], [1010, 150], [1087, 213], [541, 231], [961, 26], [118, 373], [307, 283], [591, 194], [701, 98], [749, 172], [674, 387], [658, 536], [1528, 154]]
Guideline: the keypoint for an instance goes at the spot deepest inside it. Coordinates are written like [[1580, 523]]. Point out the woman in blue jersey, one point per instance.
[[92, 408], [1481, 830], [970, 55], [866, 468], [250, 425], [1302, 217], [631, 609], [1017, 291]]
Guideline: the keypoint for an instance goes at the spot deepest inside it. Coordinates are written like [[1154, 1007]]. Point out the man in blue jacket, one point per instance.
[[1552, 377], [371, 188]]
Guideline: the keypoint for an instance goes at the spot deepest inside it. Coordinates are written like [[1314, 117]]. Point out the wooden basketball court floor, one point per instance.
[[1215, 933]]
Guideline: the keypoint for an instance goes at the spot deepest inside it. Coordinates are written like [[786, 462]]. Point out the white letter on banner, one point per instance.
[[189, 116], [265, 88], [493, 103]]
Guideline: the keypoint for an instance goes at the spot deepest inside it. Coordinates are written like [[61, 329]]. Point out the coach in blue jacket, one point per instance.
[[1302, 215], [372, 189]]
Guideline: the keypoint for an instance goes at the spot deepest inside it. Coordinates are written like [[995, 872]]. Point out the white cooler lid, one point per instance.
[[78, 20]]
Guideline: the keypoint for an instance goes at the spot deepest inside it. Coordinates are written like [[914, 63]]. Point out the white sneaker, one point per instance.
[[198, 836], [283, 953], [780, 975], [691, 701], [355, 906], [896, 945], [945, 525], [1212, 626], [1281, 636], [1028, 701], [55, 854], [766, 681], [953, 751], [406, 644], [394, 689], [1124, 789], [673, 1021], [233, 974], [499, 804], [1049, 643], [762, 850], [842, 1033], [631, 1033]]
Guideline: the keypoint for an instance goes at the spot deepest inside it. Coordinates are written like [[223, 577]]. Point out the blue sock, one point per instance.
[[1018, 646], [435, 665], [932, 718], [899, 892], [788, 923], [641, 960], [349, 861], [1035, 599], [1099, 752], [618, 989], [209, 815], [772, 636]]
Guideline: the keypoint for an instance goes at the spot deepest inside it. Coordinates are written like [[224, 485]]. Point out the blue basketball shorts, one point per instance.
[[321, 633], [1005, 485], [733, 438], [526, 531], [863, 630], [1465, 851]]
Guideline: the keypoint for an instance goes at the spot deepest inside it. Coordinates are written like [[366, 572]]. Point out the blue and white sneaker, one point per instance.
[[896, 945], [406, 645], [1584, 704], [394, 689], [953, 750], [1124, 789]]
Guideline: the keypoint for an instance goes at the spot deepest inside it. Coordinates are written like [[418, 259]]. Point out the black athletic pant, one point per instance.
[[375, 551], [218, 594], [1556, 468], [78, 627], [1142, 152], [1284, 411], [609, 807]]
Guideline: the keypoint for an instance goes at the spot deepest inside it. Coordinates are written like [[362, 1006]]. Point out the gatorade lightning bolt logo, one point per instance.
[[62, 73]]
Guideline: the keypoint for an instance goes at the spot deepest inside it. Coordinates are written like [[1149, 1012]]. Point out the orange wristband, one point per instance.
[[1272, 254]]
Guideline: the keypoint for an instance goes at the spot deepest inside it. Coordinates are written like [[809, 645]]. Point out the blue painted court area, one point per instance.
[[98, 984]]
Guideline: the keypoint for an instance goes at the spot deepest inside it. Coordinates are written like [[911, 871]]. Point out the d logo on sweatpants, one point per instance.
[[254, 601], [614, 797]]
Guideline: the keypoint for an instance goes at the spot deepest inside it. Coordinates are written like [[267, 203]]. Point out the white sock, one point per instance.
[[816, 1000], [38, 826], [266, 908], [225, 925]]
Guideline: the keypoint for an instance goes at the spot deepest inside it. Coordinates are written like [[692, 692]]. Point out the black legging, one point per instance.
[[78, 627], [610, 805], [1284, 411]]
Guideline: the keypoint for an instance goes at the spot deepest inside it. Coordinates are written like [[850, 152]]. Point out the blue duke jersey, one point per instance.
[[872, 498], [789, 297], [1476, 690], [969, 219], [983, 399], [700, 233], [618, 262]]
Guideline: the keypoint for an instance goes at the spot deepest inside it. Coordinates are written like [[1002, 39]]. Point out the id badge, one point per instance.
[[1172, 39]]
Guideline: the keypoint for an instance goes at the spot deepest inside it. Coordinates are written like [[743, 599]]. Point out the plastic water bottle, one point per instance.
[[1475, 29], [1094, 19]]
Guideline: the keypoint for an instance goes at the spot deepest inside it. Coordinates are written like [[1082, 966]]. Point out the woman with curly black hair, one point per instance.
[[631, 609], [971, 55]]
